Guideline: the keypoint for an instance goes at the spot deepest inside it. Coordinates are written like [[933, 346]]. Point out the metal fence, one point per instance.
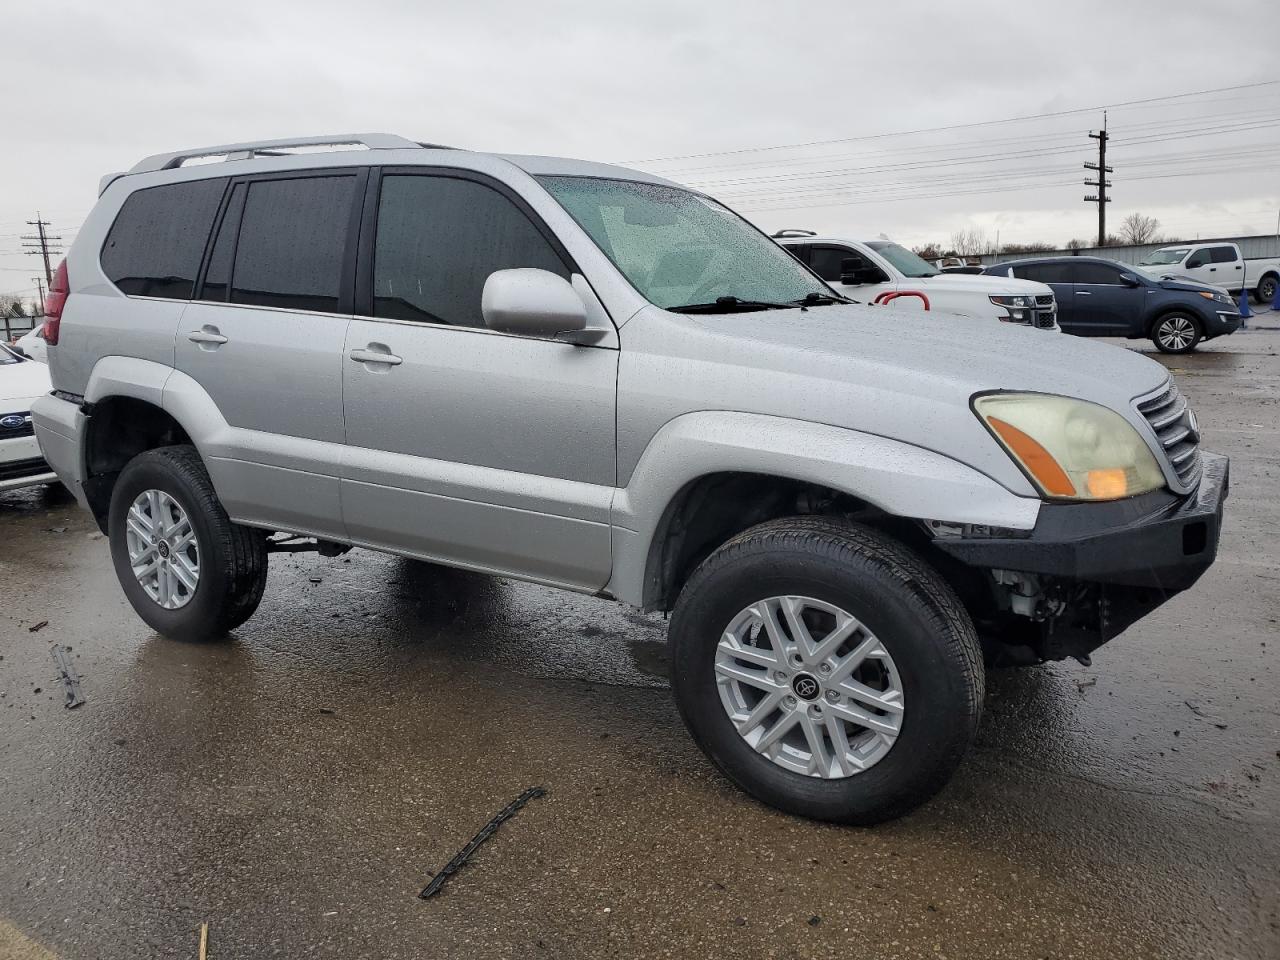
[[1267, 245]]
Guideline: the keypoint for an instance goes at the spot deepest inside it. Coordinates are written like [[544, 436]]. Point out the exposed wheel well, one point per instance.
[[714, 508], [119, 429]]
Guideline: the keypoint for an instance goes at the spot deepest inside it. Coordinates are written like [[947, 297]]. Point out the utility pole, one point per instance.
[[40, 245], [1102, 182], [39, 281]]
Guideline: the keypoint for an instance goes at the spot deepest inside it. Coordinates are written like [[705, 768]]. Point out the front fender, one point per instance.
[[898, 478]]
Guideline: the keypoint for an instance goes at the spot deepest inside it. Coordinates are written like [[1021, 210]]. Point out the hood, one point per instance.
[[22, 382], [981, 283], [1186, 283]]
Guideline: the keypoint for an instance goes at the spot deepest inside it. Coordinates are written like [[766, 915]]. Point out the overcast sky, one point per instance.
[[92, 86]]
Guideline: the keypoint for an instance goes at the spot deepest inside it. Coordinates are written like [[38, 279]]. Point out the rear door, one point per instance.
[[481, 449], [1225, 268], [1104, 306], [265, 338]]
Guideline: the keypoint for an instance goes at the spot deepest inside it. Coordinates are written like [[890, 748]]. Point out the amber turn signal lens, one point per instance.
[[1107, 484], [1051, 477]]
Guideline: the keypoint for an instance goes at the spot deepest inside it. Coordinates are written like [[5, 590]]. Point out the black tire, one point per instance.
[[1170, 333], [1266, 292], [233, 558], [905, 602]]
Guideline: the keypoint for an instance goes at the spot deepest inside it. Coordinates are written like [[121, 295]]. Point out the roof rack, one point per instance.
[[793, 232], [247, 151]]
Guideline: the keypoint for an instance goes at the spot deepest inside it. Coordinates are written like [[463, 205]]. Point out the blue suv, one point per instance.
[[1105, 298]]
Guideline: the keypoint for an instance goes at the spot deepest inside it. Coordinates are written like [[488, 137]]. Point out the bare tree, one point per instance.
[[970, 243], [1136, 229]]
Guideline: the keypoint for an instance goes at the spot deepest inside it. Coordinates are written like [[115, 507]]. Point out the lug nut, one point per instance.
[[833, 697], [789, 702], [780, 676], [796, 659], [824, 668], [815, 710]]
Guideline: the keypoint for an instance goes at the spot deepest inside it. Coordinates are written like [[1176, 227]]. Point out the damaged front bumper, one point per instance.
[[1104, 566]]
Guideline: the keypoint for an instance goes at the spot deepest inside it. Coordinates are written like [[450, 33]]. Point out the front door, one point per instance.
[[265, 342], [1102, 304], [482, 449]]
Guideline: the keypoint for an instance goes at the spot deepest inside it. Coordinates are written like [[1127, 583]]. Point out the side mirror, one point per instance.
[[1129, 280], [855, 269], [532, 303]]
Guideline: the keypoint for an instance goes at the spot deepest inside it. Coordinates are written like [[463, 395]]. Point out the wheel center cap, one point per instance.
[[805, 687], [163, 549]]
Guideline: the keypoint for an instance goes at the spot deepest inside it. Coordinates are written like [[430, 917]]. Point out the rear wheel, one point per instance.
[[826, 670], [1266, 291], [1176, 333], [188, 571]]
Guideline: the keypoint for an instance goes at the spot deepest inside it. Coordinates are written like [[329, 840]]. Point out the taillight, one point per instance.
[[54, 302]]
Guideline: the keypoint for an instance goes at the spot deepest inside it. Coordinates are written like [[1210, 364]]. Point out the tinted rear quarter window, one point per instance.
[[1045, 272], [155, 245], [439, 239], [293, 236], [1222, 255]]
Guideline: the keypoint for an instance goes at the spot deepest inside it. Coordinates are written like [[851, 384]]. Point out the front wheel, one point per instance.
[[1176, 333], [188, 571], [827, 670]]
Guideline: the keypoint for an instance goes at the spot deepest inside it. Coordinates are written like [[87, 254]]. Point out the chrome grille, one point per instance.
[[1174, 424]]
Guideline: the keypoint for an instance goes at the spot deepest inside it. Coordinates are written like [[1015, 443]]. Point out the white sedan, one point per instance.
[[33, 344], [21, 381]]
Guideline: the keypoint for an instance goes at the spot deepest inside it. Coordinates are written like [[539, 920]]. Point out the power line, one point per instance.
[[41, 247], [959, 126]]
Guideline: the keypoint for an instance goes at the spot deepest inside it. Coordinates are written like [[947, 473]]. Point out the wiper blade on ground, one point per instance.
[[732, 305]]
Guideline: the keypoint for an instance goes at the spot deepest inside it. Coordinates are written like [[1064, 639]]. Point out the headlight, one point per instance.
[[1218, 297], [1071, 449], [1019, 302]]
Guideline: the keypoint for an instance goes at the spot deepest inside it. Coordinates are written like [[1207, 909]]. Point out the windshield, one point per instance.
[[907, 262], [678, 248], [1172, 255]]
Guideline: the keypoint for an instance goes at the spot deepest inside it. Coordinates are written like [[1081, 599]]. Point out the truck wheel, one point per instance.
[[826, 670], [1176, 333], [189, 572], [1266, 292]]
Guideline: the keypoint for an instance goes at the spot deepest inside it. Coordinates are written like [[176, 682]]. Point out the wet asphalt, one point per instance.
[[296, 786]]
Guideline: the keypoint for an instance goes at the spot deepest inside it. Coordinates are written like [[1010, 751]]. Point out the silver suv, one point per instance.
[[593, 378]]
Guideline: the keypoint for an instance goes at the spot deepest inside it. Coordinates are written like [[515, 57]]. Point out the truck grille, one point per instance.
[[1174, 424], [1044, 300]]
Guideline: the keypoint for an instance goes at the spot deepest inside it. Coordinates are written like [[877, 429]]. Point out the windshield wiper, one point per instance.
[[732, 305], [817, 299]]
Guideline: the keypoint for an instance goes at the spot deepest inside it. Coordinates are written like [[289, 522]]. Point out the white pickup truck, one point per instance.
[[1220, 264], [873, 271]]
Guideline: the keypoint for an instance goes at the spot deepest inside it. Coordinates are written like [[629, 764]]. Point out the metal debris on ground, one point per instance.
[[36, 627], [1082, 684], [70, 681], [485, 832]]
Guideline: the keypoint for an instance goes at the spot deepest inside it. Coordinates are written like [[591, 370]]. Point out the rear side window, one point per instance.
[[292, 239], [1044, 272], [438, 240], [1222, 255], [154, 247], [217, 279]]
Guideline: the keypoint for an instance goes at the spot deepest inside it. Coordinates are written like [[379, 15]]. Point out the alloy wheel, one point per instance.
[[809, 687], [163, 551], [1176, 333]]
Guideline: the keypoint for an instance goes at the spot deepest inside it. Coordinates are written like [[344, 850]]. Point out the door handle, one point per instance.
[[372, 355], [1213, 269], [1084, 293], [207, 337]]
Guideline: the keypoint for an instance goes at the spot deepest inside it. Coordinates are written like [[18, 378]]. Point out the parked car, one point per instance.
[[593, 378], [1105, 298], [867, 270], [21, 381], [1219, 264], [31, 344]]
